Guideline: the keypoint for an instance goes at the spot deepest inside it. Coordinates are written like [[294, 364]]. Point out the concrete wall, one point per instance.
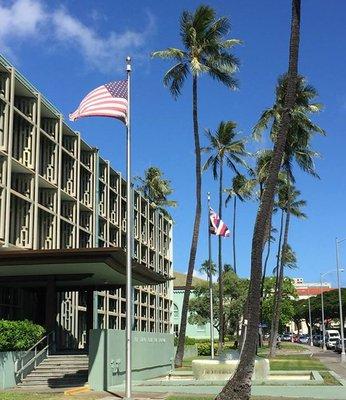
[[152, 356], [7, 376]]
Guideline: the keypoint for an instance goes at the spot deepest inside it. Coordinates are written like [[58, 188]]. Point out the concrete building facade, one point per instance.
[[57, 192]]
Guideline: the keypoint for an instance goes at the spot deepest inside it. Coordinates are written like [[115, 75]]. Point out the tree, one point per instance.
[[235, 291], [239, 386], [331, 307], [289, 296], [297, 149], [224, 147], [207, 269], [156, 189], [290, 205], [242, 189], [206, 51]]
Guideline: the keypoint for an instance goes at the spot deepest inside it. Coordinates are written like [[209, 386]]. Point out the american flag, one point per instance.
[[217, 226], [109, 100]]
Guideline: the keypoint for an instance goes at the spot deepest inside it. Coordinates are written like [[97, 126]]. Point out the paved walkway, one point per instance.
[[330, 359]]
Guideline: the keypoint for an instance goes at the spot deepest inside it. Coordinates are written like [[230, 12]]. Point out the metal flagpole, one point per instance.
[[210, 284], [129, 234]]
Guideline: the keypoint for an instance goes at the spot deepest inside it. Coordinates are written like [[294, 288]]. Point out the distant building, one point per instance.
[[193, 331], [306, 290]]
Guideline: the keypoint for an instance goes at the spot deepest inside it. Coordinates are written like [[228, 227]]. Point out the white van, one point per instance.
[[332, 335]]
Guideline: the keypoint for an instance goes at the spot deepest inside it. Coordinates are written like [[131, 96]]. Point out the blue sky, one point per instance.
[[67, 48]]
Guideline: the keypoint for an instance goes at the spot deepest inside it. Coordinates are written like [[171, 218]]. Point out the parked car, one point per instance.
[[317, 340], [332, 335], [337, 346], [295, 338], [286, 337], [304, 339]]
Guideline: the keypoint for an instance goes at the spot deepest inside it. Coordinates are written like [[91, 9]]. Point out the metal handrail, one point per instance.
[[21, 366]]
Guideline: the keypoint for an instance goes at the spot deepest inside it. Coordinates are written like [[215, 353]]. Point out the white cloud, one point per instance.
[[19, 20], [29, 19]]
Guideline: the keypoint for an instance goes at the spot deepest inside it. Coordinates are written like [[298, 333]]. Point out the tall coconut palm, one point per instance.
[[290, 204], [156, 189], [224, 148], [208, 269], [297, 149], [242, 189], [239, 386], [206, 51]]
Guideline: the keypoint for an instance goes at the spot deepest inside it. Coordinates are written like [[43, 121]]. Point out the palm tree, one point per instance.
[[297, 149], [224, 147], [206, 269], [242, 189], [206, 51], [156, 189], [239, 386], [290, 204]]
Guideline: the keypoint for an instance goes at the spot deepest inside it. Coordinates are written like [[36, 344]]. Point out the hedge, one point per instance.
[[204, 348], [19, 335]]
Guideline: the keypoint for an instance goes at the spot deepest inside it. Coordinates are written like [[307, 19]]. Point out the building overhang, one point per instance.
[[73, 269]]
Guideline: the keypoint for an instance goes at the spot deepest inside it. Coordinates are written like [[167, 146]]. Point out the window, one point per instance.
[[175, 311]]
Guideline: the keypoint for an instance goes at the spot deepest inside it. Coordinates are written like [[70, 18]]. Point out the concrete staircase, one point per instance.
[[58, 372]]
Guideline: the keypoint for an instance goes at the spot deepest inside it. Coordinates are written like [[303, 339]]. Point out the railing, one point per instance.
[[34, 356]]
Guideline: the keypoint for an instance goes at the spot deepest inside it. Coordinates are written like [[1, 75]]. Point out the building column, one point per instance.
[[51, 304], [89, 314]]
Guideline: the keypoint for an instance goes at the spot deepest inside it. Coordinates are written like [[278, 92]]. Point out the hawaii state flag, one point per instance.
[[217, 226]]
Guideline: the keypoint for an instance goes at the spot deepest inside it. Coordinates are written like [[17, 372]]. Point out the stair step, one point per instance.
[[50, 386], [59, 373], [55, 379]]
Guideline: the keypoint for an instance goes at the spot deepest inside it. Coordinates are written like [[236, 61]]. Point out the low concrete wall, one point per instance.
[[7, 362], [152, 356], [190, 351]]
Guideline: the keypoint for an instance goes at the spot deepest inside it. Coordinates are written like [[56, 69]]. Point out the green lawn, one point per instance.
[[296, 362]]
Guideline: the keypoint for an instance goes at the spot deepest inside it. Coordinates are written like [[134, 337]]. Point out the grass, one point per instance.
[[10, 395], [296, 362], [285, 347], [329, 379], [191, 397]]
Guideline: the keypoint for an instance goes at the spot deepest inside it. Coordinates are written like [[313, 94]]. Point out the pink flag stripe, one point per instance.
[[109, 100], [217, 226]]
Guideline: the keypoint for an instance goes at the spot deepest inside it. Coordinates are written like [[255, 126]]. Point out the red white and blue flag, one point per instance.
[[217, 226], [109, 100]]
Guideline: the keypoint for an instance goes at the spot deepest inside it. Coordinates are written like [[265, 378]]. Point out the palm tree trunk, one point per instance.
[[194, 242], [265, 270], [278, 294], [239, 386], [234, 226], [272, 339], [221, 316]]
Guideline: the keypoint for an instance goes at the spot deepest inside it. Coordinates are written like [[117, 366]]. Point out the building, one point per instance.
[[192, 331], [306, 290], [58, 193]]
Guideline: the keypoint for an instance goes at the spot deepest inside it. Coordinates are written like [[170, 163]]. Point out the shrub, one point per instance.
[[19, 335], [204, 348], [188, 341]]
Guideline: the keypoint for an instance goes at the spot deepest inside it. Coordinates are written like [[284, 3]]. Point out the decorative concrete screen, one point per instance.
[[152, 356]]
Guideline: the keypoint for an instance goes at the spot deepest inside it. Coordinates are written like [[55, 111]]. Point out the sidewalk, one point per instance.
[[330, 359]]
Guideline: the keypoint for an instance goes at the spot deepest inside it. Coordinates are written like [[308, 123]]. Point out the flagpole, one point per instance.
[[129, 234], [210, 284]]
